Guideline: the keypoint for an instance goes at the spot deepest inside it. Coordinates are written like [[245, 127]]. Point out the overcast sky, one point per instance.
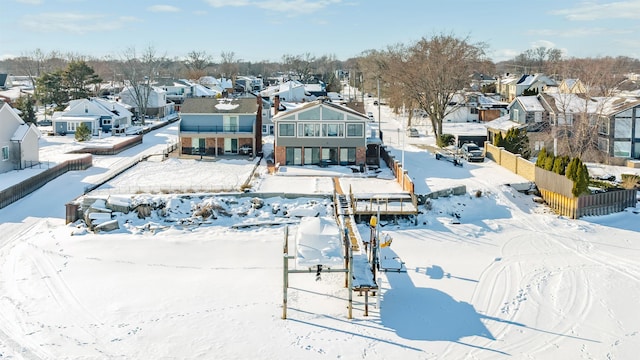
[[257, 30]]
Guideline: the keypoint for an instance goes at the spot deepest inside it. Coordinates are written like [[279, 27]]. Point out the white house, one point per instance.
[[18, 141], [157, 103], [474, 107], [98, 114], [290, 91]]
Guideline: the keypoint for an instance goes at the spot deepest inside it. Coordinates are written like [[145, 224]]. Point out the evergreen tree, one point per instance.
[[25, 104], [517, 142], [549, 161], [498, 140], [560, 164], [542, 158], [49, 90], [581, 184], [572, 169], [83, 133], [77, 78]]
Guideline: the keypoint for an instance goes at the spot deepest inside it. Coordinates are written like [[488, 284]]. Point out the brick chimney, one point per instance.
[[258, 135], [276, 104]]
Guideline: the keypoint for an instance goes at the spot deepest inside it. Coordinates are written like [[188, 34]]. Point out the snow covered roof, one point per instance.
[[571, 103], [23, 130], [201, 90], [486, 101], [503, 123], [616, 104], [529, 103], [222, 105]]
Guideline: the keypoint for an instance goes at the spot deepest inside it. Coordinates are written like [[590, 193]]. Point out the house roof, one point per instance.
[[219, 106], [528, 103], [617, 104], [22, 131], [102, 106], [503, 123], [528, 80], [9, 111], [316, 103], [571, 103]]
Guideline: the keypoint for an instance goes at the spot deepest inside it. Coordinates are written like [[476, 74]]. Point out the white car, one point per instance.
[[370, 115]]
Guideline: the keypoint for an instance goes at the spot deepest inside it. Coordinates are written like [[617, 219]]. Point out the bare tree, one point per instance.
[[299, 66], [229, 65], [432, 70], [197, 63], [139, 72]]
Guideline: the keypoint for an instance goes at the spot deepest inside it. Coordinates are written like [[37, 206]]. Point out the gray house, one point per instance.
[[319, 133], [619, 128], [528, 110], [224, 126]]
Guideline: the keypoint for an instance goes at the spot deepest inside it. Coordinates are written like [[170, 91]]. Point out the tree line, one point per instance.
[[423, 74]]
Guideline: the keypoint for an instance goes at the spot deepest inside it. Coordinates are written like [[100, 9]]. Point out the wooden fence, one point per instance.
[[18, 191], [402, 176], [556, 189]]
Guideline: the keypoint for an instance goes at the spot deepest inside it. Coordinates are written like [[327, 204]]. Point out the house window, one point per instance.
[[230, 123], [330, 154], [622, 148], [311, 156], [286, 130], [603, 145], [516, 115], [474, 111], [308, 130], [622, 128], [333, 130], [294, 156], [355, 130], [72, 126], [348, 156], [603, 127], [5, 153], [106, 121], [537, 116]]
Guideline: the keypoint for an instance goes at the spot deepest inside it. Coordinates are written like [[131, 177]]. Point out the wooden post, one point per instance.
[[285, 284], [350, 283], [347, 260], [366, 302]]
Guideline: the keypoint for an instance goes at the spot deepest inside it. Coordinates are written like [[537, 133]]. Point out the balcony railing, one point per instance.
[[216, 129]]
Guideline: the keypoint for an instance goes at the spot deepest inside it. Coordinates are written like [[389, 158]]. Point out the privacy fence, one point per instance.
[[26, 187], [556, 189]]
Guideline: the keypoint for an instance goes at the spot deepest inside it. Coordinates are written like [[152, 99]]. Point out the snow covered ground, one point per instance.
[[511, 280]]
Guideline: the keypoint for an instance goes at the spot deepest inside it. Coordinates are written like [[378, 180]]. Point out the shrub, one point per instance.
[[445, 140], [549, 161], [542, 158], [630, 181], [83, 133], [581, 184]]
